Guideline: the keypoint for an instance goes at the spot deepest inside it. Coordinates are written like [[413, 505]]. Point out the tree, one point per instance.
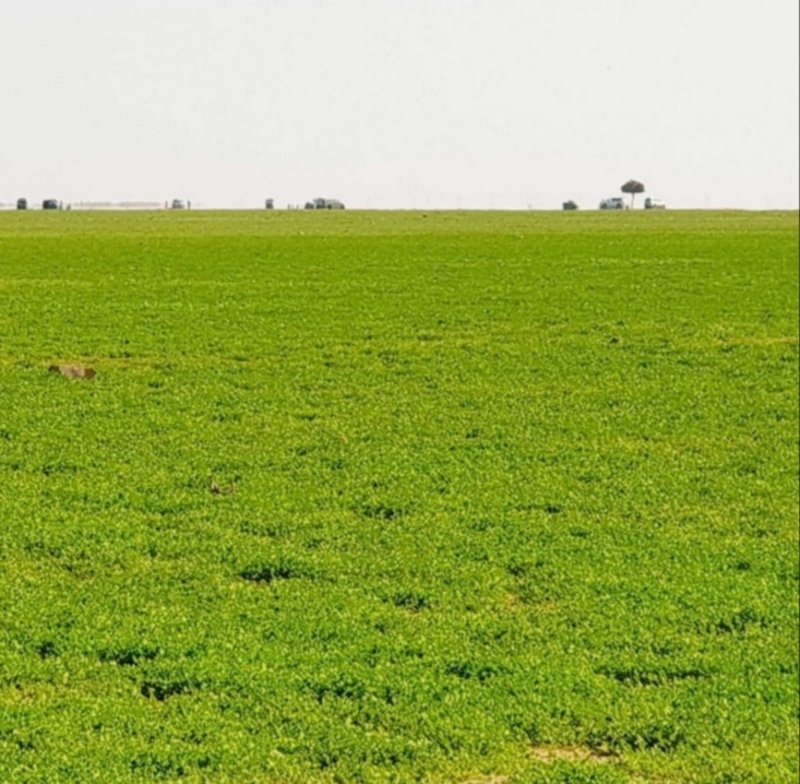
[[633, 187]]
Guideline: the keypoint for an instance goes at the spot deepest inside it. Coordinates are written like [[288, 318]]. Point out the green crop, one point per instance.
[[361, 497]]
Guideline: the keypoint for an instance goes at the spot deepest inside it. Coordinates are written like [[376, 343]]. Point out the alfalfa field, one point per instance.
[[493, 498]]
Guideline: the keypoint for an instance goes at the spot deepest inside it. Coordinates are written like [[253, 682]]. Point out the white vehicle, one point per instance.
[[654, 204], [613, 203]]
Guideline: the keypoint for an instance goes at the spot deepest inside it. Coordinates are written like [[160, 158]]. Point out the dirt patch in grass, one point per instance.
[[551, 754], [73, 371]]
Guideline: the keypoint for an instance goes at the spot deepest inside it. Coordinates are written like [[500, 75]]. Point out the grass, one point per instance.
[[448, 497]]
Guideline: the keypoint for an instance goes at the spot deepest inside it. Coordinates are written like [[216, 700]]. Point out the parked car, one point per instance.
[[22, 204], [50, 204], [654, 204], [178, 204], [324, 204], [613, 203], [569, 205]]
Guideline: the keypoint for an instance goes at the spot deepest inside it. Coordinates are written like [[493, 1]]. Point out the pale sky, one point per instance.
[[400, 103]]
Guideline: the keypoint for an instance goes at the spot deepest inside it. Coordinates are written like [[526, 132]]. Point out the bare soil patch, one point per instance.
[[73, 371], [551, 754]]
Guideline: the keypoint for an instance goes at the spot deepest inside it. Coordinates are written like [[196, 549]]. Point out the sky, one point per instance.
[[498, 104]]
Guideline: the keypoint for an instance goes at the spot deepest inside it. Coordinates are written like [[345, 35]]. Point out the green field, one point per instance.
[[498, 497]]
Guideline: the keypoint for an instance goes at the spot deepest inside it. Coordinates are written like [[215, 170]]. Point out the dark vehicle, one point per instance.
[[324, 204], [22, 204], [50, 204], [569, 205], [269, 204]]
